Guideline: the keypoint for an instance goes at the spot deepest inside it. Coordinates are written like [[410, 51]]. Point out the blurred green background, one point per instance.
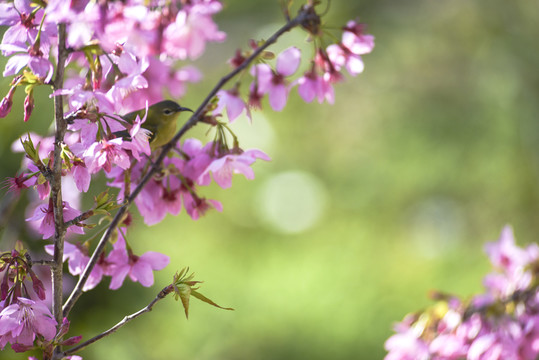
[[366, 205]]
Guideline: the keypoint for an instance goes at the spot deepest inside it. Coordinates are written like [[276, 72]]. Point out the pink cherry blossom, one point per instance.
[[37, 63], [197, 207], [133, 69], [24, 26], [9, 16], [45, 217], [311, 86], [149, 203], [406, 346], [502, 324], [22, 322], [140, 138], [139, 268], [234, 104], [28, 106], [77, 260], [17, 183], [355, 40], [81, 175], [347, 53], [504, 253], [341, 57], [186, 74], [199, 159], [224, 167], [104, 154], [274, 82], [65, 11], [186, 37]]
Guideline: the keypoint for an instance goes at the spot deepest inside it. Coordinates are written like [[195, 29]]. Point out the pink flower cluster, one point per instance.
[[315, 83], [177, 185], [125, 47], [24, 321], [119, 263], [501, 324], [123, 56]]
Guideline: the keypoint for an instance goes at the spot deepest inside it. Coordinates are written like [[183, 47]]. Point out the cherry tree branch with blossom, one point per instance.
[[306, 15]]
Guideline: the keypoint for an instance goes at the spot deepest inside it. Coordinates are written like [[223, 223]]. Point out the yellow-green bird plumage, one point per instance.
[[161, 121]]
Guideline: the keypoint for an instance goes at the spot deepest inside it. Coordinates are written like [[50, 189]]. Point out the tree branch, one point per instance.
[[162, 294], [306, 14], [56, 181]]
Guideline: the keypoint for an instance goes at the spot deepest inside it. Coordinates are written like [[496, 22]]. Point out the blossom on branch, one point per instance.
[[274, 82], [139, 268], [44, 216], [113, 58], [354, 43], [186, 37], [21, 323]]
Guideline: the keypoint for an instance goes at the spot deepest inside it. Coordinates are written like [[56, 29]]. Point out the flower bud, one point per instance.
[[37, 285], [28, 105], [7, 101]]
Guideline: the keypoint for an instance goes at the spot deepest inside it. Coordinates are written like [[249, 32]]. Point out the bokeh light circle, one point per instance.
[[291, 202]]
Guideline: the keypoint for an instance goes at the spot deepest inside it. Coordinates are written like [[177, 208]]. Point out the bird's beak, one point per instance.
[[184, 109]]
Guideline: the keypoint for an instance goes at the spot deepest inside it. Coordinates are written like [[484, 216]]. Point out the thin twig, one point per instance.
[[195, 118], [77, 220], [50, 263], [162, 294]]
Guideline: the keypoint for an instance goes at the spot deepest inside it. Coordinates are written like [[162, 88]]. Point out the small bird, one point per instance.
[[161, 121]]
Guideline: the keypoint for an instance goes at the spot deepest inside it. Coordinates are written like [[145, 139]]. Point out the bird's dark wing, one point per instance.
[[124, 134]]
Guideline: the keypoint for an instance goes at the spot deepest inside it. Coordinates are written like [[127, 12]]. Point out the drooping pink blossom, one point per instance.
[[354, 39], [234, 104], [139, 268], [347, 54], [22, 322], [77, 259], [38, 64], [274, 82], [224, 167], [44, 215], [197, 207], [342, 58], [313, 86], [81, 175]]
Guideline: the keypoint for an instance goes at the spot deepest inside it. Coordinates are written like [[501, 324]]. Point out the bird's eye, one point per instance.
[[167, 111]]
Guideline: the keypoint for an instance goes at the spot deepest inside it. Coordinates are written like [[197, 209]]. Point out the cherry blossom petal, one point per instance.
[[288, 61], [277, 97]]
